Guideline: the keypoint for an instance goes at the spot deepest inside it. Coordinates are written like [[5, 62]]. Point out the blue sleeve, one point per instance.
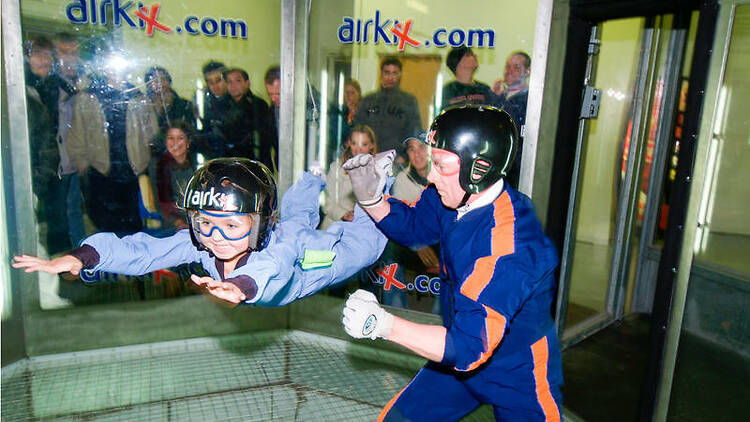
[[300, 202], [140, 253], [414, 225], [359, 244], [272, 269]]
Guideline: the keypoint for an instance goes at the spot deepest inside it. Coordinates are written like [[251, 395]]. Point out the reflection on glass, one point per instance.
[[605, 147], [383, 71], [124, 106]]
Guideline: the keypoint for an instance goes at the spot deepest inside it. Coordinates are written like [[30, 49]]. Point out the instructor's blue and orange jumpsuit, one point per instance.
[[498, 284]]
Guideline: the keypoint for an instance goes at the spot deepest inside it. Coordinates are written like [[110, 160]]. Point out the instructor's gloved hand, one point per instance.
[[368, 175], [364, 318]]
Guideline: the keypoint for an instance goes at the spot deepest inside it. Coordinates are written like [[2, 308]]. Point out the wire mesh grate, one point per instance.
[[276, 375]]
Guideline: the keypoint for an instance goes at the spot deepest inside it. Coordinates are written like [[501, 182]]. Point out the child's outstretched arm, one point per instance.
[[65, 263], [136, 254]]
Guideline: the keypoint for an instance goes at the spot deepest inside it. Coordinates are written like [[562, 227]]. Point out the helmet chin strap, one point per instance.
[[464, 199]]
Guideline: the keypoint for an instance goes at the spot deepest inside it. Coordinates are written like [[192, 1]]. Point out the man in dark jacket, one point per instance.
[[216, 102], [246, 127], [392, 113], [43, 94]]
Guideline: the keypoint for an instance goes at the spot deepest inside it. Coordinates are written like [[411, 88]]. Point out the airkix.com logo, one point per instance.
[[358, 31], [147, 17], [211, 199]]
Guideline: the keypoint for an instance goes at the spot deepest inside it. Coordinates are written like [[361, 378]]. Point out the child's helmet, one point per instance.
[[483, 137], [237, 185]]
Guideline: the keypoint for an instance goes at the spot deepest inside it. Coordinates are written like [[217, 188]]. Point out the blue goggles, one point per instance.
[[229, 230]]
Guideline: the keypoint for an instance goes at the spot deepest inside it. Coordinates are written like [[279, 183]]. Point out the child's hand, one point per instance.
[[58, 265], [227, 292]]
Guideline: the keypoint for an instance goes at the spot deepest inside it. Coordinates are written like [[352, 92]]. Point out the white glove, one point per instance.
[[368, 175], [364, 318]]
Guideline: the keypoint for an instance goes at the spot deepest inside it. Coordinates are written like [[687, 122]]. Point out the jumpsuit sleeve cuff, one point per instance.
[[449, 354], [87, 255], [246, 284], [390, 220]]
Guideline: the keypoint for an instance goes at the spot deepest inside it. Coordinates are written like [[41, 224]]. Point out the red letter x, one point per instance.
[[402, 32], [159, 274], [151, 19], [388, 273]]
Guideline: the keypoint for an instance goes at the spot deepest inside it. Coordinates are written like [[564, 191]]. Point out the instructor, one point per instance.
[[497, 344]]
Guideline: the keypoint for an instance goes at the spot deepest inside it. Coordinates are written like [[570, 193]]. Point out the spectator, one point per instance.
[[43, 94], [109, 141], [173, 171], [246, 127], [340, 200], [464, 90], [168, 105], [512, 93], [215, 104], [70, 70], [408, 187], [391, 113], [513, 90], [273, 89], [352, 98]]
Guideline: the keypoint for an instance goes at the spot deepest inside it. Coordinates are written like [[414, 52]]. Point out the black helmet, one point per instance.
[[484, 138], [235, 185]]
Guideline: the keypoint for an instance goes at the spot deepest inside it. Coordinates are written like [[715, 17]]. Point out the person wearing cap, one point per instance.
[[231, 211], [497, 343], [407, 187], [464, 90]]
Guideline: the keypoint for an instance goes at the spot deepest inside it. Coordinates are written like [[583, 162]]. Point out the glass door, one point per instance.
[[632, 81]]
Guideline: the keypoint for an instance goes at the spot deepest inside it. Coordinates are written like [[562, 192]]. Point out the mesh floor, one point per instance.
[[278, 375]]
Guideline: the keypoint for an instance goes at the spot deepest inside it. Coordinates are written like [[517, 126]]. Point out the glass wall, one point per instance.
[[712, 359], [378, 73], [123, 103]]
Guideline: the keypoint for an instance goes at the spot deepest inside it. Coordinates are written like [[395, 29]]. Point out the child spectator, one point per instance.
[[339, 197], [173, 171]]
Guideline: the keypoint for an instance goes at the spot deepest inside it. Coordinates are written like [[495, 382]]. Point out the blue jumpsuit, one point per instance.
[[276, 270], [498, 284]]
